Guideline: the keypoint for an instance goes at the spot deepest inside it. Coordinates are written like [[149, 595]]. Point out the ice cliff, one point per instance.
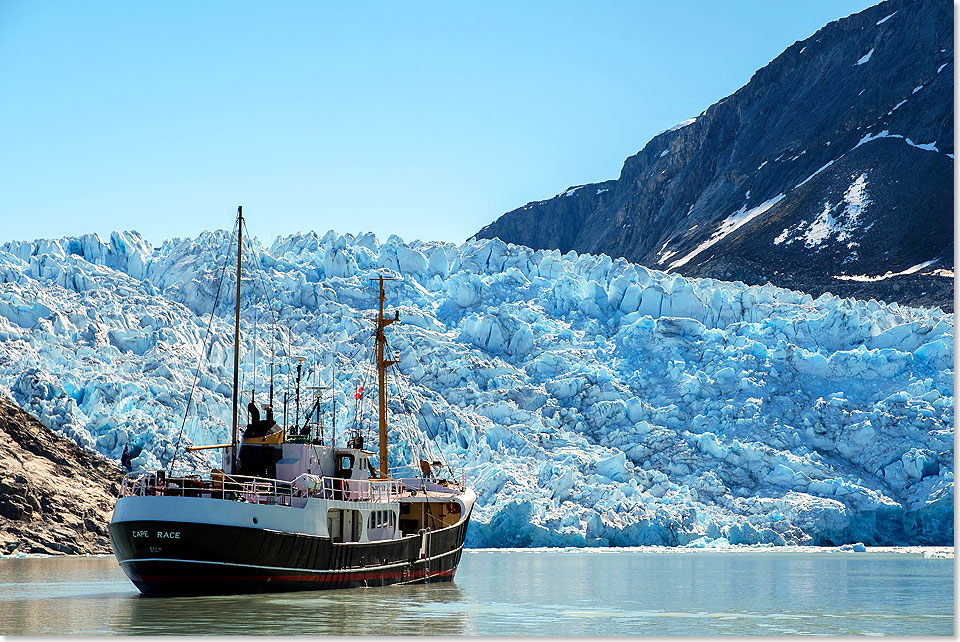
[[589, 401]]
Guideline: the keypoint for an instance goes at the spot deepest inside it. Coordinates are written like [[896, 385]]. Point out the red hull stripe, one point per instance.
[[317, 577]]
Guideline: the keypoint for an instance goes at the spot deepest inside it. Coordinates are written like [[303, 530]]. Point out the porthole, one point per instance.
[[255, 520]]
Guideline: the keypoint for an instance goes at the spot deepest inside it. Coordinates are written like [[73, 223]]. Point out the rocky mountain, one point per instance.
[[55, 497], [831, 170]]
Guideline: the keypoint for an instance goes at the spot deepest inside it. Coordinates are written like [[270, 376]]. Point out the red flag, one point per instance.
[[359, 393]]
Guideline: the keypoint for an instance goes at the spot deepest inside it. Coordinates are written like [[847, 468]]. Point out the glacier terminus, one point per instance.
[[590, 401]]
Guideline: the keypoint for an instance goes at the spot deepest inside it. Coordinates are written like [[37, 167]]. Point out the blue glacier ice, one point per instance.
[[589, 401]]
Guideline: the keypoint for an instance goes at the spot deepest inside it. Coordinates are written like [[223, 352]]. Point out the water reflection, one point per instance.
[[519, 593], [401, 610]]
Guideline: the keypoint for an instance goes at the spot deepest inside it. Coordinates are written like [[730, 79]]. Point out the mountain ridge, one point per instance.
[[867, 98]]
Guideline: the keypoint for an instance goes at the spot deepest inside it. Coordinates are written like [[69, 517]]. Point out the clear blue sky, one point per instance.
[[426, 120]]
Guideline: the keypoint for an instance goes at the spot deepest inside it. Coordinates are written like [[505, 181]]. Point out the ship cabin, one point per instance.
[[298, 469]]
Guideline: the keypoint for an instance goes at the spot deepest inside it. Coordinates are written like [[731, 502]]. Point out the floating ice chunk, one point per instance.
[[709, 542]]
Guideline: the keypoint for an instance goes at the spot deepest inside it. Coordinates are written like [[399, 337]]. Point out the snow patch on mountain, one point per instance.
[[680, 125], [882, 20], [930, 147], [729, 225], [910, 270], [826, 226], [825, 166]]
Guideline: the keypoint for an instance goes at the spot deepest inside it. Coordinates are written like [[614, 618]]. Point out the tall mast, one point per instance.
[[333, 386], [382, 365], [236, 336]]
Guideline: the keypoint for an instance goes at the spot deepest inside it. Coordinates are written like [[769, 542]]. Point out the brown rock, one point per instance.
[[55, 497]]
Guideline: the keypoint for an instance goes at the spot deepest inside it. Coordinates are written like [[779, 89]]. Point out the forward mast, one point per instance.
[[382, 365]]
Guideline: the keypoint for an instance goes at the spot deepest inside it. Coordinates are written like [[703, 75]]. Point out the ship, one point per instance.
[[290, 510]]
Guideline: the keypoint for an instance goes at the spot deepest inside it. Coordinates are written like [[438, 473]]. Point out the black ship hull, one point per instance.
[[182, 558]]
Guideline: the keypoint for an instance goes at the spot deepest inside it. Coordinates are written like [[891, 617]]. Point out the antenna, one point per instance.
[[236, 340], [299, 361], [272, 355], [319, 390], [333, 387]]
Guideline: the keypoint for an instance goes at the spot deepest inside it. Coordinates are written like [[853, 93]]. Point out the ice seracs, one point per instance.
[[592, 401]]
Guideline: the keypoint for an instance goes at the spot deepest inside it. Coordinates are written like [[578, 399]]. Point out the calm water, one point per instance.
[[520, 593]]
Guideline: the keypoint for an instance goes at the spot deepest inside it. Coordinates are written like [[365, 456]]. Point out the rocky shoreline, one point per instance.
[[55, 497]]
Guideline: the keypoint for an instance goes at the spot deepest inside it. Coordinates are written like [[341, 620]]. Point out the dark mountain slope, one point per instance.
[[835, 160]]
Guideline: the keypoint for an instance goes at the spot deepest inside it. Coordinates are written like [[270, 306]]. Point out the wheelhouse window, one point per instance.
[[381, 518]]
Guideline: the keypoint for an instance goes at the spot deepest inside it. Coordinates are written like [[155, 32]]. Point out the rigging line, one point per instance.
[[415, 436], [278, 327], [358, 403], [416, 433], [240, 400], [358, 417], [203, 346], [260, 272], [445, 402], [259, 278], [403, 402], [409, 432], [406, 429], [369, 376]]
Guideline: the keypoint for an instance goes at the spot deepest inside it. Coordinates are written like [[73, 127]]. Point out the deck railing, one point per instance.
[[260, 490]]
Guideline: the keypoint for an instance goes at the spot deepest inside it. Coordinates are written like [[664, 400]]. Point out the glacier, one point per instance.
[[589, 401]]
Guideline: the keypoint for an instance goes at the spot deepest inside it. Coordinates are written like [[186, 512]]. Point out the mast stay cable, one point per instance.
[[203, 347]]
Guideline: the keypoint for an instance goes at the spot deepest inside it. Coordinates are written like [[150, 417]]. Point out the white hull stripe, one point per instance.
[[363, 569]]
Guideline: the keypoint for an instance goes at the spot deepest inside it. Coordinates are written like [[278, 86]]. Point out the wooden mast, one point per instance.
[[382, 365], [236, 340]]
